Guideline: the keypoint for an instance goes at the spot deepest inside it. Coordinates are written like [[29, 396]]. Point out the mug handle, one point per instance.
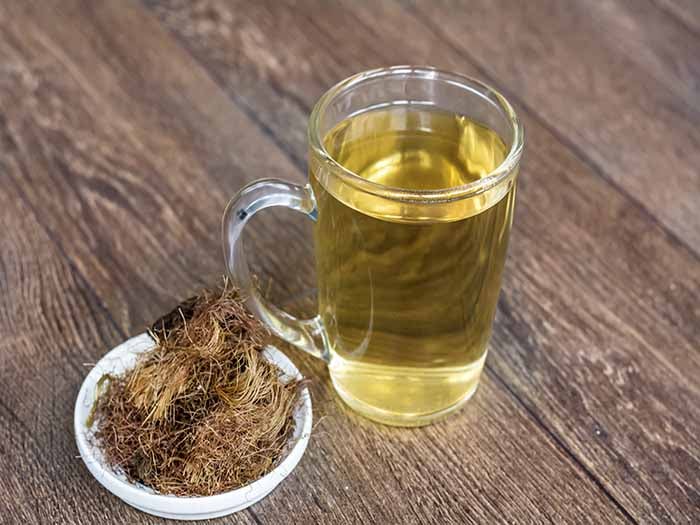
[[306, 334]]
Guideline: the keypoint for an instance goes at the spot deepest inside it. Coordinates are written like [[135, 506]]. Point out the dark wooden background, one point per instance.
[[125, 127]]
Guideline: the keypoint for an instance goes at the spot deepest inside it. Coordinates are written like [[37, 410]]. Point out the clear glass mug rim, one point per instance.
[[493, 179]]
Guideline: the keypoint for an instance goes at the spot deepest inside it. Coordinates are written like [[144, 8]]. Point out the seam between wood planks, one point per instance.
[[568, 144], [255, 517]]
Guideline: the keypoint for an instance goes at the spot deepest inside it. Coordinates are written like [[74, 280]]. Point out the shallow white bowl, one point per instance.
[[143, 498]]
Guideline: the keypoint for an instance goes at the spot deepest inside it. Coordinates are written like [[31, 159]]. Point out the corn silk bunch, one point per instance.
[[203, 412]]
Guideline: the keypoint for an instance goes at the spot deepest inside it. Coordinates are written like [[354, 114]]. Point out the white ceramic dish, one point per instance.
[[143, 498]]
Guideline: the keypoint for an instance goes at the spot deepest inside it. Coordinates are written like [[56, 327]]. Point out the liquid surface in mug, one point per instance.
[[407, 306]]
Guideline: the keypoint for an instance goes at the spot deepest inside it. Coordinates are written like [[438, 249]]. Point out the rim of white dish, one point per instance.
[[122, 357]]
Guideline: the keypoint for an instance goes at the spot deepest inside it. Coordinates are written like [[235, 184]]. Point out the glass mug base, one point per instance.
[[390, 397]]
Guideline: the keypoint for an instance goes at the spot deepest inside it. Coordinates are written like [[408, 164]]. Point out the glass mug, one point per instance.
[[412, 176]]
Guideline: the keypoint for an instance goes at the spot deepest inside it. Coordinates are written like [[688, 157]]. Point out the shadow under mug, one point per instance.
[[397, 359]]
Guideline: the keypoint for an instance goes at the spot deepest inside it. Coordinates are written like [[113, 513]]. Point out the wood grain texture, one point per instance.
[[602, 349], [662, 46], [120, 143], [118, 212], [686, 12]]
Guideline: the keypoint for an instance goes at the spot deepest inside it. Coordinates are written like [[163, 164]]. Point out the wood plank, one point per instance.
[[604, 365], [492, 463]]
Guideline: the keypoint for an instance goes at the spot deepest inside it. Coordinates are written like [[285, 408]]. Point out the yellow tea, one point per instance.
[[407, 303]]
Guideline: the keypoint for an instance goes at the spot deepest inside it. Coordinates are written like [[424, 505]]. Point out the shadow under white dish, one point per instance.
[[122, 358]]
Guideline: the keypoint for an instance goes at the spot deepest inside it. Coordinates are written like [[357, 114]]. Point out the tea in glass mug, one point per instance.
[[412, 177]]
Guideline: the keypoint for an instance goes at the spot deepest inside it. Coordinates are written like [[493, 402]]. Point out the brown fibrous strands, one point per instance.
[[204, 411]]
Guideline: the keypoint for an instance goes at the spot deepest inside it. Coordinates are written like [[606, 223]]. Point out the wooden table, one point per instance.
[[125, 128]]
